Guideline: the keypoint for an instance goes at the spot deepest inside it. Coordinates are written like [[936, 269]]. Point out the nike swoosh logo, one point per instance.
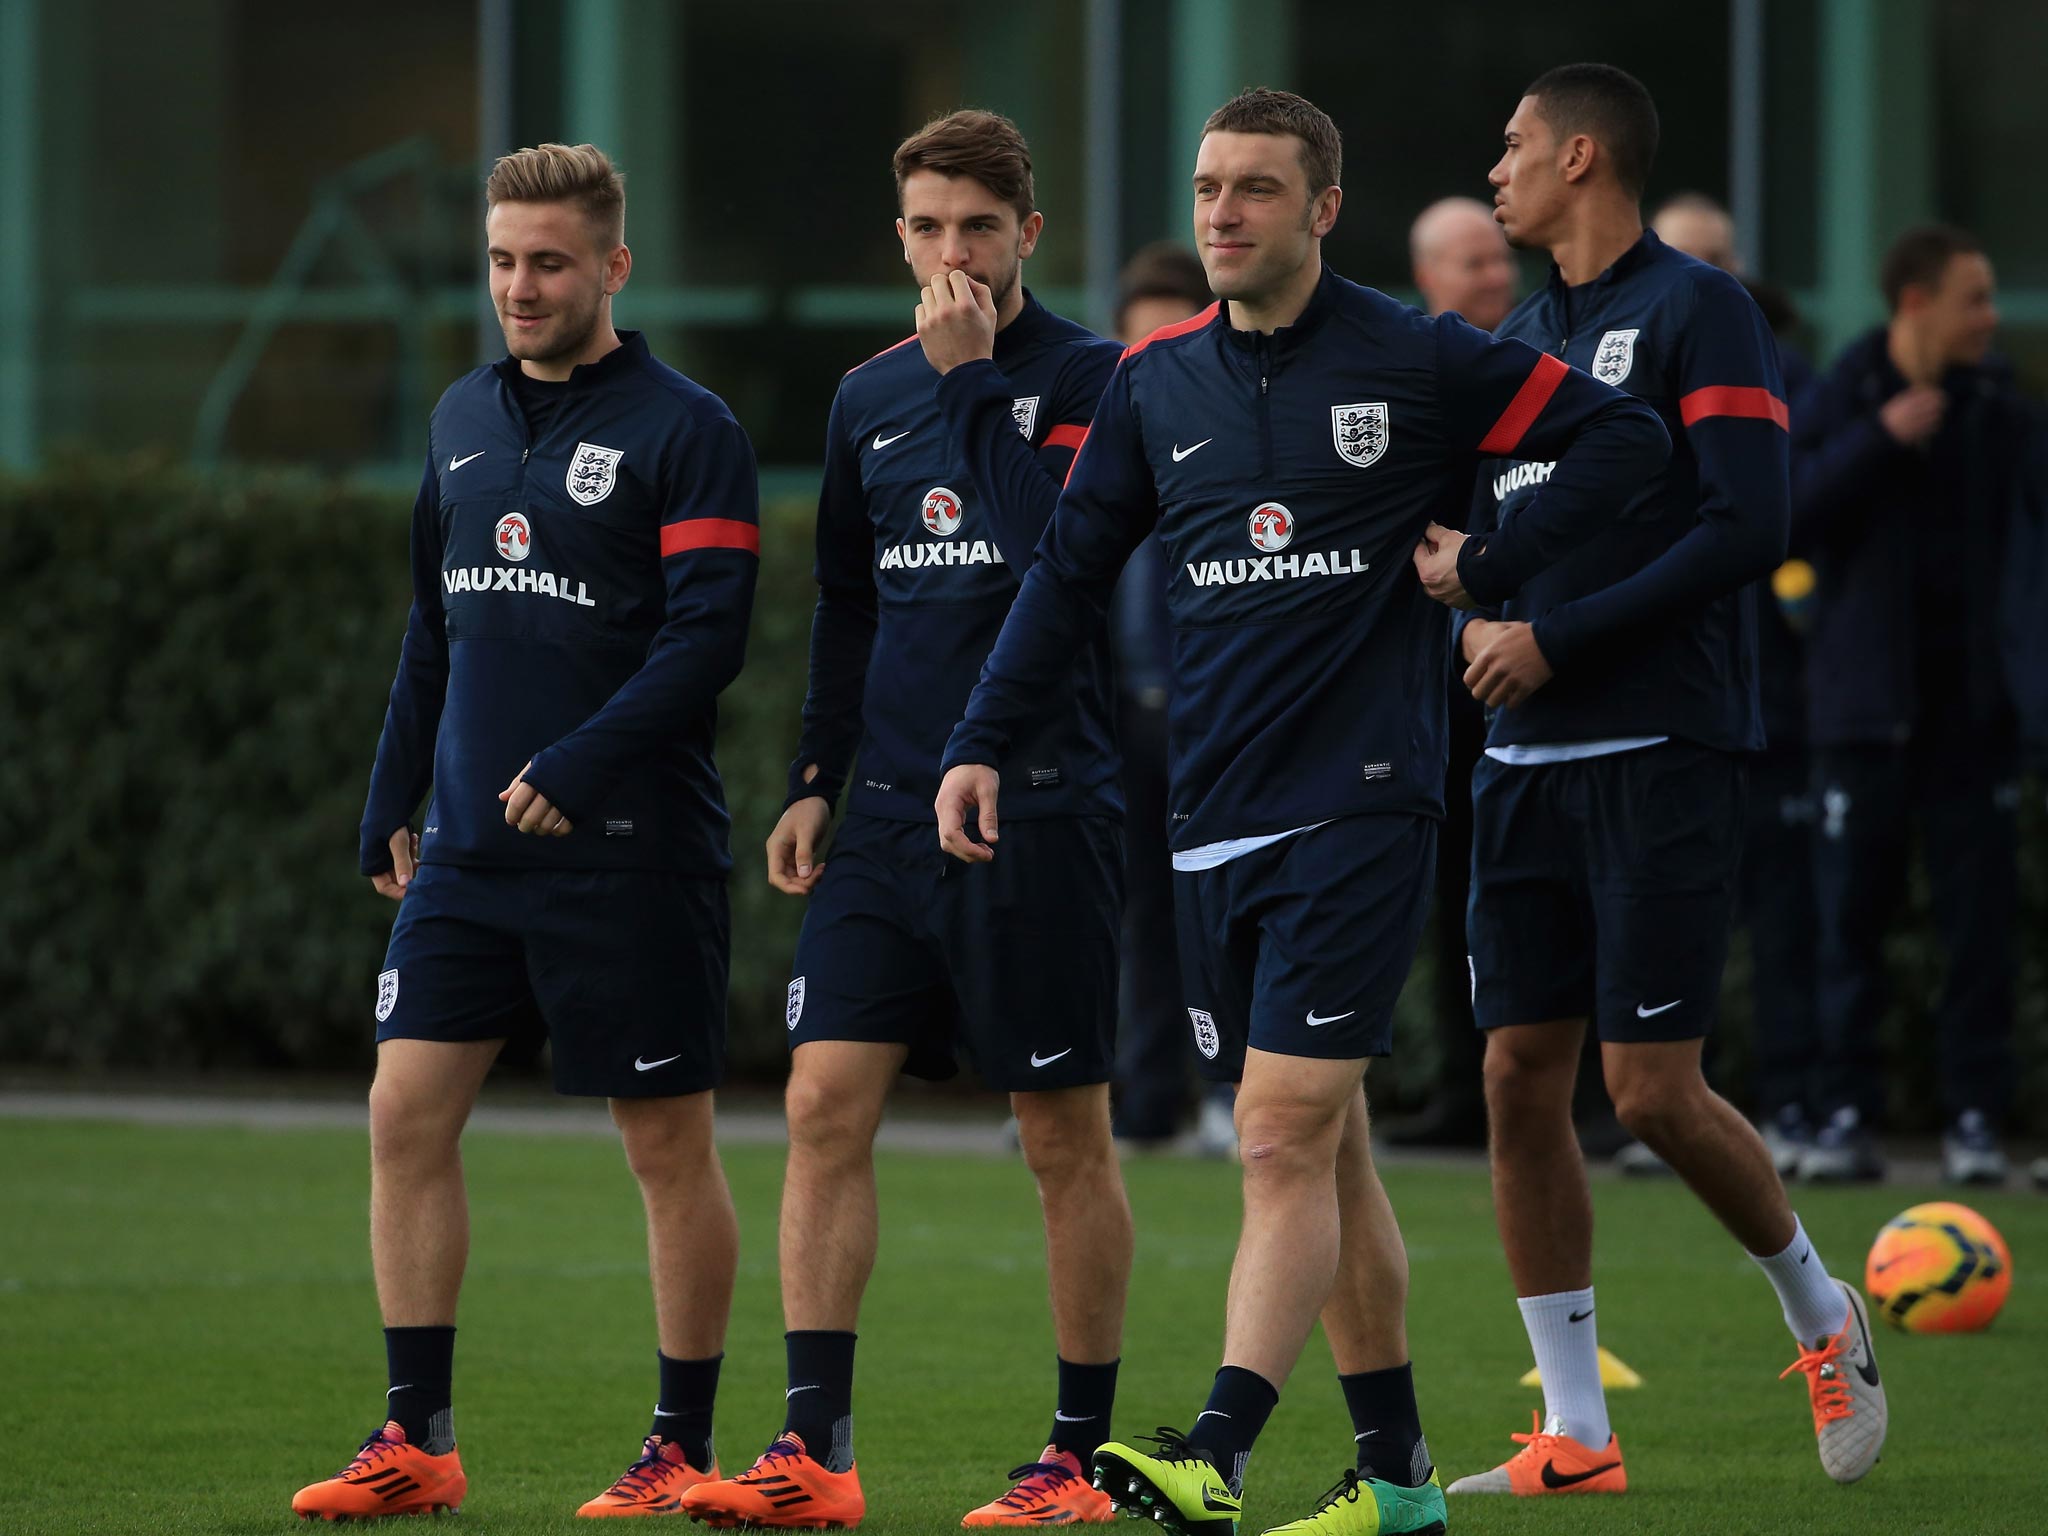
[[1313, 1021], [1222, 1506], [1180, 453], [640, 1064], [1366, 1436], [1580, 1317], [883, 442], [1867, 1366], [1069, 1418], [455, 464], [1651, 1013], [406, 1388], [1046, 1061], [1210, 1413], [1552, 1478], [792, 1392], [1806, 1255]]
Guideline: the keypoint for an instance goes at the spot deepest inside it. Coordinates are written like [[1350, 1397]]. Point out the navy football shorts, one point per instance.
[[624, 970], [1013, 961], [1604, 888], [1301, 947]]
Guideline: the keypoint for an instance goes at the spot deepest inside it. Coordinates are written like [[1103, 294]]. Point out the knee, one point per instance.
[[1522, 1071], [1289, 1138], [1062, 1146], [1654, 1109], [825, 1123], [665, 1140], [408, 1125]]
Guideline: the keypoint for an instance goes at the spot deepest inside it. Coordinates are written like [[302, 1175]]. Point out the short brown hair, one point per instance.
[[581, 174], [1261, 110], [1920, 256], [1165, 269], [983, 145], [1611, 107]]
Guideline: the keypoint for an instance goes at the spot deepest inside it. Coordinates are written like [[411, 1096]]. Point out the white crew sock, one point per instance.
[[1561, 1331], [1815, 1307]]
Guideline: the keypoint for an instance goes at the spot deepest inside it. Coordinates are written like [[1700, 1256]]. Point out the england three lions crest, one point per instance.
[[1025, 412], [1615, 355], [593, 471], [1360, 432]]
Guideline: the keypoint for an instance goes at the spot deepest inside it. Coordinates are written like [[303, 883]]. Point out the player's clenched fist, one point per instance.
[[956, 321], [1436, 562], [405, 858], [794, 846], [528, 810], [968, 790], [1507, 665]]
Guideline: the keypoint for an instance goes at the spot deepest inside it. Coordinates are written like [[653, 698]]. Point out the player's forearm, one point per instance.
[[975, 399], [1732, 545], [1609, 446], [404, 765], [693, 659], [1831, 480], [842, 643], [1052, 618]]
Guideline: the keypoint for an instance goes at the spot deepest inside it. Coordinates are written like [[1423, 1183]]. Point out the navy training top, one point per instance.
[[580, 598], [1290, 477], [936, 491], [1651, 628]]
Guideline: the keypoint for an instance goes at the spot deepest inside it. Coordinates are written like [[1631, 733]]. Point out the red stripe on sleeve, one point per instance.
[[1733, 400], [1527, 405], [710, 533], [1066, 437]]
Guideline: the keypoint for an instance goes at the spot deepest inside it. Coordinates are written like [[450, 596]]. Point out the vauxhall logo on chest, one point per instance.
[[941, 512], [1271, 529], [514, 540]]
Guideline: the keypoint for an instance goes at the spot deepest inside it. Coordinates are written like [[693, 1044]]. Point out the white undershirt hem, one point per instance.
[[1209, 855], [1530, 754]]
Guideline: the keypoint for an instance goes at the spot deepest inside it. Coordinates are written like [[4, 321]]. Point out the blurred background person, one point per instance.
[[1774, 891], [1909, 468], [1161, 284], [1462, 264]]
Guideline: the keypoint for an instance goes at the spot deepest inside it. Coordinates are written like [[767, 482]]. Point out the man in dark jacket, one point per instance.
[[1908, 477]]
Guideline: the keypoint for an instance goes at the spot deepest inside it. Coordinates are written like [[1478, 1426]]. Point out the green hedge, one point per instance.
[[190, 691]]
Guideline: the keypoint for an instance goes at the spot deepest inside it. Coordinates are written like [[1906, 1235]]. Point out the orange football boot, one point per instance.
[[390, 1476], [787, 1488], [653, 1485], [1550, 1462], [1053, 1490]]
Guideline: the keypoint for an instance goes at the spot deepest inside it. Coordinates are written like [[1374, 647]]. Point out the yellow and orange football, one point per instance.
[[1938, 1268]]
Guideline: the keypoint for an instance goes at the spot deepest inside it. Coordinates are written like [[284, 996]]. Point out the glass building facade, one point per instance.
[[238, 232]]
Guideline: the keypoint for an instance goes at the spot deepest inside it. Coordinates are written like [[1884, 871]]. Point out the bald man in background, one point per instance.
[[1462, 264]]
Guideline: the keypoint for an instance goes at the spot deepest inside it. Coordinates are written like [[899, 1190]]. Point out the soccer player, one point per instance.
[[1291, 444], [1608, 811], [943, 458], [584, 548]]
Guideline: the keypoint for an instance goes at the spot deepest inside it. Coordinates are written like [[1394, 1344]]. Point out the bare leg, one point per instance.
[[1540, 1200], [1067, 1145], [837, 1089], [1662, 1096], [419, 1213], [1291, 1115], [1366, 1317], [693, 1236]]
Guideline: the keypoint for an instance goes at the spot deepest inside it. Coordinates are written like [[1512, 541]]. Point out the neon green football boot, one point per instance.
[[1365, 1506], [1178, 1488]]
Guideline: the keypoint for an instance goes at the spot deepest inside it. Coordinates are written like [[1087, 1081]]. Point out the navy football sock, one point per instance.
[[1387, 1425], [820, 1396], [1239, 1404], [1081, 1422], [422, 1363], [683, 1415]]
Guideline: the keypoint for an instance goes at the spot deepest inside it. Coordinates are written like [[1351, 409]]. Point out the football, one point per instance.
[[1938, 1268]]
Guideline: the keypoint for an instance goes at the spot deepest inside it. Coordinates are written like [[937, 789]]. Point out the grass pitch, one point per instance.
[[188, 1333]]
